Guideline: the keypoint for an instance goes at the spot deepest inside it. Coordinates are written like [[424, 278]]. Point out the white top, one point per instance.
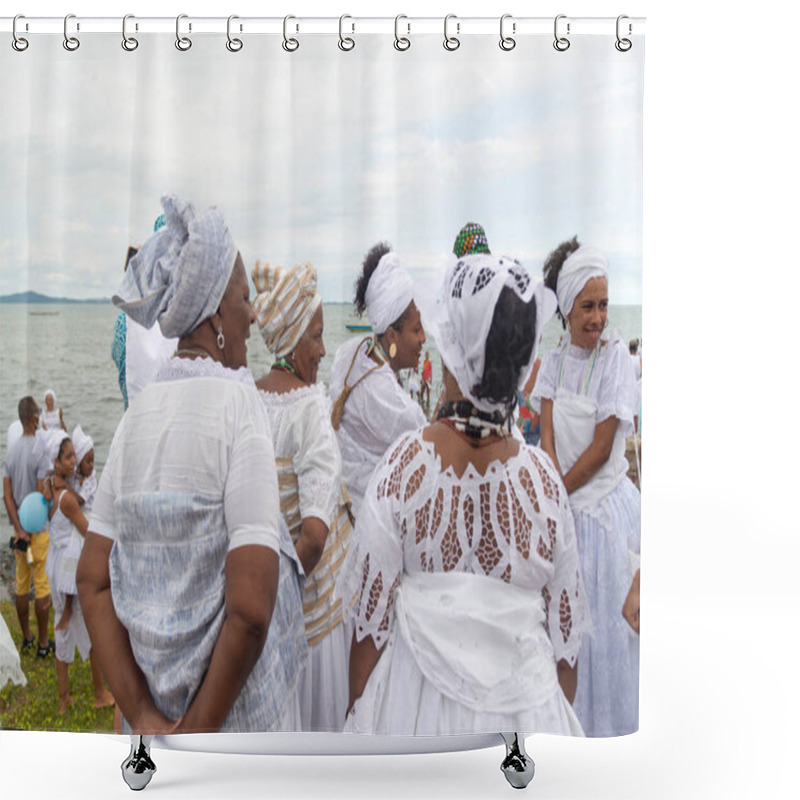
[[377, 411], [201, 430], [513, 524], [86, 488], [302, 431], [589, 387], [51, 420]]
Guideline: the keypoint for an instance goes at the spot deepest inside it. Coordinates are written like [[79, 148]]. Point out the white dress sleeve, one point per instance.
[[377, 544], [617, 394], [250, 499], [316, 460], [566, 607], [545, 386], [101, 518]]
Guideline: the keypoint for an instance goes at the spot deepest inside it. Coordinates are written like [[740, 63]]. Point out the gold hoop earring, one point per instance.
[[392, 350]]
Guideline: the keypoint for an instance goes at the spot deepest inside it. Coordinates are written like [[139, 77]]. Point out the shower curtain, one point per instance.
[[315, 148]]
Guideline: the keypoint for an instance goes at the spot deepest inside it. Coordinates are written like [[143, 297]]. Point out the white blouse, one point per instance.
[[377, 411], [512, 524], [199, 430]]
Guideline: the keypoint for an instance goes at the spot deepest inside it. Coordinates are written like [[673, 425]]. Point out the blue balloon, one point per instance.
[[33, 512]]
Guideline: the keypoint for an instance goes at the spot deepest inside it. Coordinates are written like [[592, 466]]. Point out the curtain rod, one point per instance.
[[347, 25]]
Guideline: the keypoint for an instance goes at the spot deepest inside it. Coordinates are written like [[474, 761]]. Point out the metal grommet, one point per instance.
[[346, 43], [233, 44], [71, 43], [401, 42], [289, 45], [451, 42], [561, 43], [18, 42], [181, 42], [129, 43], [623, 45], [506, 42]]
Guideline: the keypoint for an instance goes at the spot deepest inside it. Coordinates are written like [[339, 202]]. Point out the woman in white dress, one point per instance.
[[67, 524], [470, 607], [51, 418], [187, 578], [370, 407], [586, 393], [314, 501]]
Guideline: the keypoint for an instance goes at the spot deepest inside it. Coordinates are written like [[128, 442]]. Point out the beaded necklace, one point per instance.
[[285, 366], [478, 425]]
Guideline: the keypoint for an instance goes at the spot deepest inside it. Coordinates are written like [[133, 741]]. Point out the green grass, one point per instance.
[[34, 707]]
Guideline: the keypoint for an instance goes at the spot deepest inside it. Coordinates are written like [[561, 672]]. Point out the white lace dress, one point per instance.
[[377, 411], [593, 386], [310, 485], [472, 587]]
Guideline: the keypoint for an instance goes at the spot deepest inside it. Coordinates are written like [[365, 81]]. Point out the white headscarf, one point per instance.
[[47, 444], [464, 311], [82, 443], [49, 392], [578, 269], [389, 292], [286, 301], [179, 275]]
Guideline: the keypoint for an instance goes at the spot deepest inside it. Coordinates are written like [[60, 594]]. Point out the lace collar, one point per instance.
[[292, 396], [176, 369]]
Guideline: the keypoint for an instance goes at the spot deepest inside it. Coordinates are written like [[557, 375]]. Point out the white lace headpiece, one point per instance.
[[464, 311], [82, 443], [578, 269], [181, 272], [389, 292]]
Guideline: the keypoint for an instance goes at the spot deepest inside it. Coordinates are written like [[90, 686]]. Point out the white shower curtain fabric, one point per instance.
[[315, 156]]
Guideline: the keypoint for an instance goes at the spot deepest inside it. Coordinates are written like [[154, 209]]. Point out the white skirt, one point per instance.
[[76, 635], [399, 700], [324, 685], [607, 700]]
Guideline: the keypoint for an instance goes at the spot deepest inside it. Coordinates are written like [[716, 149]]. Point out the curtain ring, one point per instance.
[[451, 43], [561, 43], [346, 42], [623, 45], [18, 42], [401, 42], [507, 42], [129, 43], [70, 42], [289, 45], [234, 45], [181, 42]]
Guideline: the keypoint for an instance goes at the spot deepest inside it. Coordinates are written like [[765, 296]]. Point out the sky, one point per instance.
[[318, 154]]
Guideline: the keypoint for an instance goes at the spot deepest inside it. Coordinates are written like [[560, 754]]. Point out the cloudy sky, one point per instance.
[[318, 154]]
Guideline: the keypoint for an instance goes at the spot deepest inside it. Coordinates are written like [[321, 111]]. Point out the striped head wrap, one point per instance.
[[285, 303], [471, 239]]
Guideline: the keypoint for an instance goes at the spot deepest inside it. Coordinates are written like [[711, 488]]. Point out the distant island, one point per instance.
[[34, 297]]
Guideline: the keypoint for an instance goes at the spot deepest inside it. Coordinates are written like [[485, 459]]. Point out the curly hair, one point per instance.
[[508, 349], [369, 265], [552, 267]]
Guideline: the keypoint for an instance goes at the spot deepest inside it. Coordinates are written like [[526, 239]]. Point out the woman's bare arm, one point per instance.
[[311, 542]]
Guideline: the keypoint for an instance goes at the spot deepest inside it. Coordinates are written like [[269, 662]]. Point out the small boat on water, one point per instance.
[[357, 327]]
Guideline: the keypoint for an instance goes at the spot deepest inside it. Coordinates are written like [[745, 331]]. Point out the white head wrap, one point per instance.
[[389, 292], [51, 392], [82, 443], [286, 301], [180, 274], [464, 311], [47, 443], [578, 269]]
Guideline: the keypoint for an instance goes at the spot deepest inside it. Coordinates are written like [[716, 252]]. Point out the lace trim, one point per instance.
[[176, 369], [292, 396]]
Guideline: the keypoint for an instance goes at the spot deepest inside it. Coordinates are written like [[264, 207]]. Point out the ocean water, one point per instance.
[[67, 348]]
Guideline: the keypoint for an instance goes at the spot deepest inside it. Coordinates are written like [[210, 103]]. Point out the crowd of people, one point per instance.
[[263, 555]]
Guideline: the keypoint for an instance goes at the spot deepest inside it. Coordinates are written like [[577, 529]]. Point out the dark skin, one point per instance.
[[251, 578], [304, 358], [407, 341], [455, 450]]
